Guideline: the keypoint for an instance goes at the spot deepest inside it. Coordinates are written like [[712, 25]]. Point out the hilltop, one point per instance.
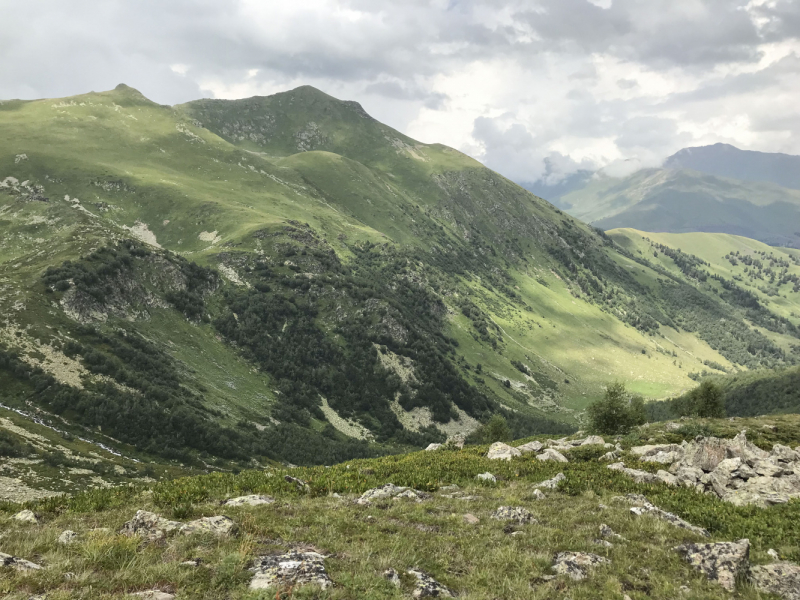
[[284, 279]]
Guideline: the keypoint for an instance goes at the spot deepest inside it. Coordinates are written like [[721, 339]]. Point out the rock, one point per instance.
[[672, 426], [784, 454], [773, 554], [428, 587], [661, 453], [604, 543], [415, 495], [293, 569], [607, 532], [688, 476], [449, 488], [705, 453], [386, 490], [765, 491], [781, 579], [530, 447], [67, 537], [456, 442], [26, 516], [471, 519], [251, 500], [501, 451], [301, 485], [217, 525], [551, 454], [516, 514], [577, 565], [643, 506], [15, 562], [666, 477], [538, 495], [486, 477], [767, 468], [432, 447], [154, 595], [635, 474], [551, 484], [719, 561], [609, 456], [192, 562], [593, 440], [392, 577], [149, 526]]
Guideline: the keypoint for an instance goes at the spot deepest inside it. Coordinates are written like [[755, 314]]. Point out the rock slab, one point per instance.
[[501, 451], [781, 579], [719, 561], [428, 587], [577, 565], [293, 568]]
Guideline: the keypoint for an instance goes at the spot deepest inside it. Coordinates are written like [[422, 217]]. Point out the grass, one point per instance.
[[479, 561]]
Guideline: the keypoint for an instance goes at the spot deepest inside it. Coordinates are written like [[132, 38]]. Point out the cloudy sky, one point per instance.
[[535, 89]]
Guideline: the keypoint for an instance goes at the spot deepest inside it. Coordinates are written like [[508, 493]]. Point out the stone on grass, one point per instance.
[[501, 451], [609, 533], [551, 454], [593, 440], [516, 514], [15, 562], [608, 456], [538, 495], [471, 519], [415, 495], [154, 595], [149, 526], [293, 568], [301, 485], [486, 477], [26, 516], [781, 579], [251, 500], [67, 537], [604, 543], [643, 507], [217, 525], [392, 577], [719, 561], [428, 587], [389, 490], [577, 565], [432, 447], [551, 484], [530, 447]]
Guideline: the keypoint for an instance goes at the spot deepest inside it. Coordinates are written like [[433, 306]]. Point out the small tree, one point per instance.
[[495, 429], [616, 412], [709, 400]]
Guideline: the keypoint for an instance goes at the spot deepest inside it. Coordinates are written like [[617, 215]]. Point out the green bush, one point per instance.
[[617, 412]]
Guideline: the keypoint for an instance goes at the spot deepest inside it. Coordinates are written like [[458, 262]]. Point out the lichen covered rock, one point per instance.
[[719, 561], [293, 568]]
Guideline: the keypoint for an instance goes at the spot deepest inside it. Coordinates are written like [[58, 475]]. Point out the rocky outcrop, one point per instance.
[[577, 565], [501, 451], [251, 500], [389, 490], [551, 484], [15, 562], [644, 476], [428, 587], [530, 447], [290, 569], [515, 514], [780, 578], [735, 470], [153, 527], [218, 525], [719, 561]]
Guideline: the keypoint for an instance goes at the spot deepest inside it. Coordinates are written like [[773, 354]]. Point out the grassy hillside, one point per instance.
[[451, 535], [681, 201], [285, 279]]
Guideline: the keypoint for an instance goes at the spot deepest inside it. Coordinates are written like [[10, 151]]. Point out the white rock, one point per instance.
[[15, 562], [67, 537], [486, 477], [593, 440], [154, 595], [26, 516], [551, 484], [530, 447], [432, 447], [251, 500], [501, 451], [551, 454]]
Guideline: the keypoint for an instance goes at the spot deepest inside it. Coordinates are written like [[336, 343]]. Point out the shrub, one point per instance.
[[617, 412]]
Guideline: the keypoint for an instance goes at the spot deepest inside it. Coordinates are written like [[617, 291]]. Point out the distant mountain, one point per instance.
[[725, 160], [682, 201]]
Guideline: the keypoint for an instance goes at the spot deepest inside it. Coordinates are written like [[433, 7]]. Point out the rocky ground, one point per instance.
[[534, 519]]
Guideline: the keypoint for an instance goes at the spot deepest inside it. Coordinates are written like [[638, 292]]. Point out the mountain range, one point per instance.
[[285, 279]]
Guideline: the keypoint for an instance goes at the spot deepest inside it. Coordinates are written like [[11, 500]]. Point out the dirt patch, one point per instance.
[[348, 427]]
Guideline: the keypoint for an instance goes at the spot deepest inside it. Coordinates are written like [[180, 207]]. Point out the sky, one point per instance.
[[534, 89]]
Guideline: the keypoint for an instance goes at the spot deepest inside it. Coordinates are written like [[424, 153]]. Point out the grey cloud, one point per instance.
[[627, 84]]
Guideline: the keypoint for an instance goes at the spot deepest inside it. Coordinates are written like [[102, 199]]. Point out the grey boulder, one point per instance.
[[720, 561]]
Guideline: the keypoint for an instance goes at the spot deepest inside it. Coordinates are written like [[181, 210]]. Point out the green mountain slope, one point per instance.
[[681, 200], [286, 279]]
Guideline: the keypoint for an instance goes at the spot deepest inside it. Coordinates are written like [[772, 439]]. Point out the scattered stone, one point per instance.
[[486, 477], [781, 579], [432, 447], [516, 514], [149, 526], [604, 543], [577, 565], [551, 484], [609, 456], [67, 537], [392, 577], [389, 490], [773, 554], [15, 562], [530, 447], [784, 454], [593, 440], [661, 453], [538, 495], [449, 488], [217, 525], [301, 485], [551, 454], [251, 500], [607, 532], [643, 506], [293, 568], [154, 595], [192, 562], [516, 533], [428, 587], [720, 561], [471, 519], [26, 516], [415, 495], [501, 451]]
